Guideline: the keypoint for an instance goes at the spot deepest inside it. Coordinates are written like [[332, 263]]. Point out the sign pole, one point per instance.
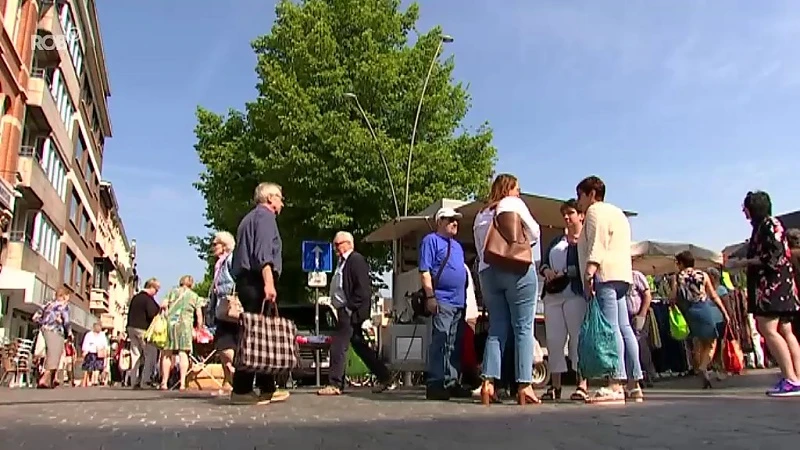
[[317, 352]]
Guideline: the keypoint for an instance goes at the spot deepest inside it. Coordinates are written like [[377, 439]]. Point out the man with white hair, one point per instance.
[[351, 295], [256, 266]]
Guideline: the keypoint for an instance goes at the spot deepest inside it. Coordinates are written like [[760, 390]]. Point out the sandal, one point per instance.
[[526, 396], [553, 394], [329, 391], [606, 396], [635, 395], [580, 395]]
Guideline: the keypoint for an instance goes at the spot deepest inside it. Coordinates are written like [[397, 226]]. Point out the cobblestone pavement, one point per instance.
[[674, 416]]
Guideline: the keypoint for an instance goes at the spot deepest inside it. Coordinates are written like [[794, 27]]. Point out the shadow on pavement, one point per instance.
[[278, 426]]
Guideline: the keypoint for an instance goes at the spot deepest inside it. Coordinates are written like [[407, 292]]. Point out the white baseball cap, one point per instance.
[[448, 213]]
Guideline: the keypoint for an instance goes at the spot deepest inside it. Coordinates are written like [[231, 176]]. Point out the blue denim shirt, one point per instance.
[[223, 285]]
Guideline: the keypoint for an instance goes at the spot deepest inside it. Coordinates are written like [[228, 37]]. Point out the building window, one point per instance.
[[85, 224], [45, 238], [69, 266], [66, 109], [80, 149], [100, 274], [74, 208], [80, 279], [90, 176], [53, 166], [70, 27]]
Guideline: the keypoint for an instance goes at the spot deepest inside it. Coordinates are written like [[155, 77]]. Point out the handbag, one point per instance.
[[597, 346], [678, 328], [507, 244], [732, 355], [229, 307], [267, 344], [419, 298], [557, 285]]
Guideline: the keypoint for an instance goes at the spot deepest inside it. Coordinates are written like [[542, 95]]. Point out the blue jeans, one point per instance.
[[511, 301], [611, 296], [444, 353]]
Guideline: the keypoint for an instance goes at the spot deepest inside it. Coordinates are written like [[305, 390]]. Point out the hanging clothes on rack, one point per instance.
[[736, 305], [671, 356]]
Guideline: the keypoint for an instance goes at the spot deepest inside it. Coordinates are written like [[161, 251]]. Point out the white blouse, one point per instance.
[[93, 342], [484, 219]]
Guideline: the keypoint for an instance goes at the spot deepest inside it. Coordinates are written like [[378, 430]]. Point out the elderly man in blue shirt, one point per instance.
[[444, 280]]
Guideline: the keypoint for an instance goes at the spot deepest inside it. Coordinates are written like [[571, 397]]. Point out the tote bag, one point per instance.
[[732, 355], [597, 346], [678, 328], [267, 344]]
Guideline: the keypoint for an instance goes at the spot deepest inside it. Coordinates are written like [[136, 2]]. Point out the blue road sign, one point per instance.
[[317, 256]]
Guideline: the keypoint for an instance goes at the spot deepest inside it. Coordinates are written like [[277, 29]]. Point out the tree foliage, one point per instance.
[[303, 133]]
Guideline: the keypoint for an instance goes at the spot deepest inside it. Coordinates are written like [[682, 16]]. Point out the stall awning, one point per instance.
[[546, 211]]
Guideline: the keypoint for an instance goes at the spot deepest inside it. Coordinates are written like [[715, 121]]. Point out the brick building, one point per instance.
[[55, 123]]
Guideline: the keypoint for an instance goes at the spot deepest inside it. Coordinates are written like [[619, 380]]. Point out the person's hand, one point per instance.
[[270, 294], [432, 306], [735, 263], [638, 322], [588, 288], [549, 274]]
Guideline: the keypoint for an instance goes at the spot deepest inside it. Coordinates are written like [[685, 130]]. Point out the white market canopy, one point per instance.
[[658, 258], [546, 211]]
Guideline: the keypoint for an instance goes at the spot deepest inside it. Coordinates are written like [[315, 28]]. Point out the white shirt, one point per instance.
[[472, 301], [558, 256], [484, 219], [93, 342]]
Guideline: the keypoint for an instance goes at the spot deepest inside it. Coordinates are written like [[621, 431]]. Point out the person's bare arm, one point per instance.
[[199, 313], [647, 298], [715, 298], [427, 283]]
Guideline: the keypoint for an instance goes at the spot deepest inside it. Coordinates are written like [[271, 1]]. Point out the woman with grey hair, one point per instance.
[[227, 332]]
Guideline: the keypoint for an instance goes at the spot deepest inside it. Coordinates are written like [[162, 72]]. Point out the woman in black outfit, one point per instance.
[[226, 332], [771, 291]]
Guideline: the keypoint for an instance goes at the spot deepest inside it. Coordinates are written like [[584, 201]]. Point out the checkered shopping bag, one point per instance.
[[267, 343]]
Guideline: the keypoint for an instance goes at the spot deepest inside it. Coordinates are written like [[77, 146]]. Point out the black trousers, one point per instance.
[[250, 288], [346, 335]]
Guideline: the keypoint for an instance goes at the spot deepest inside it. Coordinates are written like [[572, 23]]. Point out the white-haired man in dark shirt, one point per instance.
[[256, 265]]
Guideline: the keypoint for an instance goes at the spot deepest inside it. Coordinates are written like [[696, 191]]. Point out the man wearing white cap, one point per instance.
[[444, 280]]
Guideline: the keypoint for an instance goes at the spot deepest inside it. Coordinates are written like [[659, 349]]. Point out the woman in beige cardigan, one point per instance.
[[604, 254]]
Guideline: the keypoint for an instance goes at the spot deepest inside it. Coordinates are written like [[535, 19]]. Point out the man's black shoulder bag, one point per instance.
[[419, 298]]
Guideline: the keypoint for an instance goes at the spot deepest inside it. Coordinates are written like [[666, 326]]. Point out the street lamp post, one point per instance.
[[380, 152], [443, 39]]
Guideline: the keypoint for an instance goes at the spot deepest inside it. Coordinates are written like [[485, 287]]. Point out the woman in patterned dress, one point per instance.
[[771, 291], [182, 305], [704, 312]]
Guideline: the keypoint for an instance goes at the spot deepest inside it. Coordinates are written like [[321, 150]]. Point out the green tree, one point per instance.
[[303, 133]]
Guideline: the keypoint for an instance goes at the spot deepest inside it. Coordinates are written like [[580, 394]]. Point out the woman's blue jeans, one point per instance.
[[612, 298], [511, 301]]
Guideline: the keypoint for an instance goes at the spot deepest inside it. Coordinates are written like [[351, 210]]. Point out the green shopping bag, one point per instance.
[[597, 346], [355, 366], [678, 328]]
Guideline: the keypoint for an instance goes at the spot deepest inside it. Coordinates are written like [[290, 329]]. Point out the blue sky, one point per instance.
[[682, 107]]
